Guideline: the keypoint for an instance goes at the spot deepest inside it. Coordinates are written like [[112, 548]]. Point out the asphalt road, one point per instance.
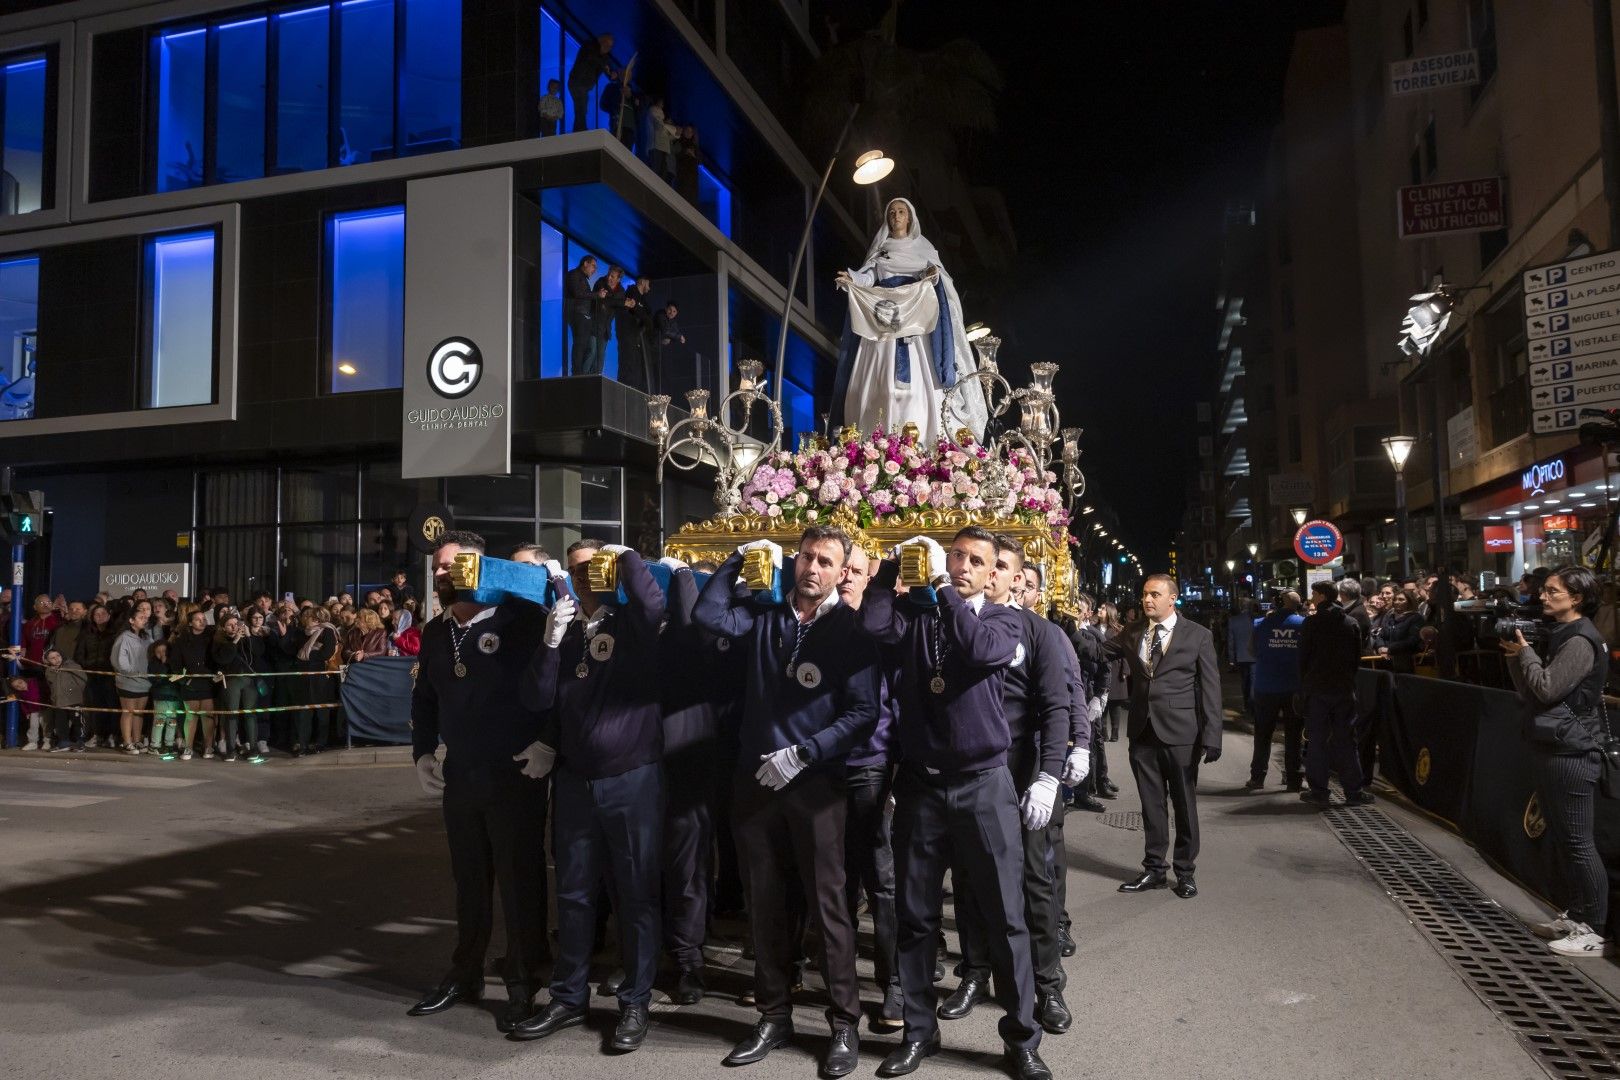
[[206, 919]]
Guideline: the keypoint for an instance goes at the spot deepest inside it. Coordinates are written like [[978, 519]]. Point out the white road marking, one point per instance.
[[55, 802], [99, 777]]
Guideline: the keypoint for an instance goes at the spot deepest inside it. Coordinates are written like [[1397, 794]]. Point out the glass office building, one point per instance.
[[203, 286]]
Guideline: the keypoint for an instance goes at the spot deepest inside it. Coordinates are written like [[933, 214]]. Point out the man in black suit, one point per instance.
[[1175, 723], [579, 309]]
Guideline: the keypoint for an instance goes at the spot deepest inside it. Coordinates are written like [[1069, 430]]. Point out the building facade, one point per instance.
[[204, 283]]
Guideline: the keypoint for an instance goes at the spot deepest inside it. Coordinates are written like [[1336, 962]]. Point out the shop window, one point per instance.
[[180, 314], [239, 151], [323, 494], [571, 493], [493, 496], [553, 331], [366, 276], [19, 337], [22, 134], [556, 536], [303, 69], [365, 120], [180, 58]]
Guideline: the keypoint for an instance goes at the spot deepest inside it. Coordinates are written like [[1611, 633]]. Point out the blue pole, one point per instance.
[[12, 710]]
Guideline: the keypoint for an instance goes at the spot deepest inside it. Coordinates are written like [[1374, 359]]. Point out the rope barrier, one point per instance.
[[183, 709], [216, 675]]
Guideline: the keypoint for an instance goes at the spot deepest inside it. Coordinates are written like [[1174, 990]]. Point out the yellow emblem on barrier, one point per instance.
[[1420, 772], [1534, 823], [433, 528]]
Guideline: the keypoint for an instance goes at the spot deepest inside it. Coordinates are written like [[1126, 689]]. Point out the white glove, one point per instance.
[[1095, 709], [1077, 766], [537, 758], [772, 546], [430, 775], [778, 768], [617, 549], [1038, 802], [554, 568], [562, 613], [672, 562]]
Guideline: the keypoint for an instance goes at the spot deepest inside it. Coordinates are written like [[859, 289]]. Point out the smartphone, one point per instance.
[[288, 598]]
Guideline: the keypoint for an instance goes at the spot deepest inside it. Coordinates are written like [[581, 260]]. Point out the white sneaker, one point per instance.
[[264, 747], [29, 746], [1581, 942], [1557, 928], [185, 755]]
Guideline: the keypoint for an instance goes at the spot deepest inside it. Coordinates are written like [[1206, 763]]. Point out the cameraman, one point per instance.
[[1562, 699]]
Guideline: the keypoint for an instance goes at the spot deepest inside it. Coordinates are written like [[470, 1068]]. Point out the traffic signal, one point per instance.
[[22, 516]]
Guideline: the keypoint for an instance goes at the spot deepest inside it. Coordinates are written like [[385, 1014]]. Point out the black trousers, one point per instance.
[[971, 820], [1041, 903], [582, 107], [800, 828], [1330, 724], [1118, 714], [1167, 775], [1567, 785], [492, 818], [689, 790], [869, 863], [729, 890], [633, 370], [1099, 759], [1269, 710]]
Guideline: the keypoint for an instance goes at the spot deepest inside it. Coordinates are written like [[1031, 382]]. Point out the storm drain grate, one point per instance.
[[1124, 819], [1567, 1024]]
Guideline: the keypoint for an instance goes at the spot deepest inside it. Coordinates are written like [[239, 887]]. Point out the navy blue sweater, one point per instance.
[[1040, 691], [699, 674], [830, 717], [965, 728], [610, 721], [481, 717]]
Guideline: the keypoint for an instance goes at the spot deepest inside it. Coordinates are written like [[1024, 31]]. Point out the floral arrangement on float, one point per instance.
[[888, 475]]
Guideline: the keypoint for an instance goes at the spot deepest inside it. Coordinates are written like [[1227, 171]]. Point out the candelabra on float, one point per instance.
[[701, 438]]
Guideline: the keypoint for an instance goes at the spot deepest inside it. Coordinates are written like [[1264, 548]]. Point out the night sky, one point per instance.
[[1125, 129]]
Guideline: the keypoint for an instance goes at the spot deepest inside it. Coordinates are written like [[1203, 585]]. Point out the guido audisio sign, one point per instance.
[[155, 578], [458, 326]]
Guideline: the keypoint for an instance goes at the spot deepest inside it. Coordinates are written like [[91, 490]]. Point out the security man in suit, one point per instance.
[[466, 692], [1038, 695], [1174, 724], [811, 696], [604, 717], [954, 795]]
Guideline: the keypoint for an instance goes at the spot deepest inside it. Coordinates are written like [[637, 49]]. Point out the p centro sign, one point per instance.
[[1318, 542], [155, 578]]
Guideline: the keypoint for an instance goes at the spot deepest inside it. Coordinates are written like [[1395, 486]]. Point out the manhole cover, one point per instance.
[[1125, 819]]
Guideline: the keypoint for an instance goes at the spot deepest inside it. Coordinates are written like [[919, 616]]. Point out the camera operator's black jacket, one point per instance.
[[1562, 696], [1329, 652]]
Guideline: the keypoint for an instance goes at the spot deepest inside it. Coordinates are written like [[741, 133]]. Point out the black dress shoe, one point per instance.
[[1359, 798], [688, 987], [631, 1030], [1296, 785], [766, 1036], [1109, 789], [968, 994], [1318, 799], [939, 971], [1066, 943], [1186, 887], [1147, 880], [445, 995], [1254, 785], [907, 1056], [892, 1013], [519, 1007], [1027, 1065], [548, 1021], [1088, 802], [843, 1055], [1053, 1015], [612, 984]]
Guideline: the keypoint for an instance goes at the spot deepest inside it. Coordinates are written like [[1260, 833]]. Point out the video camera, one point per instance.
[[1509, 618], [1602, 429]]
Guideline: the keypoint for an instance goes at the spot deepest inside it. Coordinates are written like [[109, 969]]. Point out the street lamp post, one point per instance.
[[1399, 448]]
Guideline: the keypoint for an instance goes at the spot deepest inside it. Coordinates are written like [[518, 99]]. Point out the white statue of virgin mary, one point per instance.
[[898, 377]]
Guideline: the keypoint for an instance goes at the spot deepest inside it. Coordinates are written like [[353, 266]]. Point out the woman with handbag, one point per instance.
[[1566, 725]]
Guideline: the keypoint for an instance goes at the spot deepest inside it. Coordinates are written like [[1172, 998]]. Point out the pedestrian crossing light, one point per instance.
[[23, 518]]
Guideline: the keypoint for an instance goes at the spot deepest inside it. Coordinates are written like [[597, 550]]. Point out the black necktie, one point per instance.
[[1155, 649]]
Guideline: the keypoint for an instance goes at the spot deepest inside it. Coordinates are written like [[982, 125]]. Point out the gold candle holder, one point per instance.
[[603, 572], [464, 570], [914, 565], [758, 570]]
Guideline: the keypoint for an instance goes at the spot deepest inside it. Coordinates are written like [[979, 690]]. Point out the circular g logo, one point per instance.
[[455, 367]]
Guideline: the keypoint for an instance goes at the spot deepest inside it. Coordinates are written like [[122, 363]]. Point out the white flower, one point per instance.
[[800, 498]]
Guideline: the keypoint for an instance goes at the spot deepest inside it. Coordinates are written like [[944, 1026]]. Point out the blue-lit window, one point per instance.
[[798, 411], [252, 94], [558, 255], [180, 58], [180, 312], [558, 51], [714, 199], [366, 272], [22, 134], [430, 77], [239, 153], [366, 81], [19, 337], [303, 68]]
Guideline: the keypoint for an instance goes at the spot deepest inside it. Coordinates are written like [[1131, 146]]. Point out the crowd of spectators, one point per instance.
[[173, 676]]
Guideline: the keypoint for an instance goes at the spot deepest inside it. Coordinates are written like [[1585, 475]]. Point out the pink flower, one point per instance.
[[772, 498], [773, 511], [902, 501], [800, 498], [829, 492], [757, 505], [973, 504], [812, 514], [891, 467]]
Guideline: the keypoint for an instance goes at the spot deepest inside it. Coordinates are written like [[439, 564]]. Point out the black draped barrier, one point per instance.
[[377, 698], [1455, 750]]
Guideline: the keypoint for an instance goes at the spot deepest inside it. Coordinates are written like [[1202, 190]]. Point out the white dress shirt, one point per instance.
[[1169, 625]]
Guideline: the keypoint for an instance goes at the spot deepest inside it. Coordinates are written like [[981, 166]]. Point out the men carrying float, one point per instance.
[[1038, 697], [594, 677], [472, 663], [811, 695], [954, 792]]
